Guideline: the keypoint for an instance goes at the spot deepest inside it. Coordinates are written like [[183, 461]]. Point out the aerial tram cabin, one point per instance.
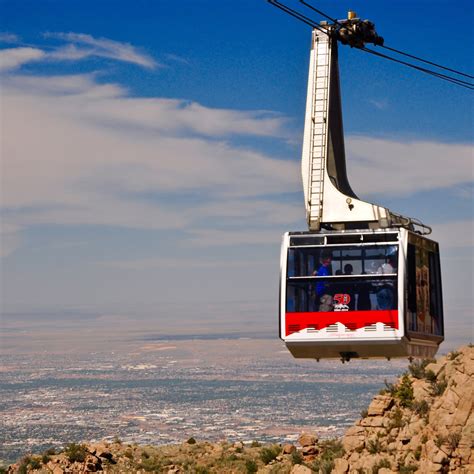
[[372, 293], [363, 281]]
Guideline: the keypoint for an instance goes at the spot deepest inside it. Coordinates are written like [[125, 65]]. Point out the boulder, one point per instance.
[[309, 450], [379, 405], [436, 367], [102, 451], [300, 469], [341, 466], [307, 439], [353, 443], [288, 448], [375, 421]]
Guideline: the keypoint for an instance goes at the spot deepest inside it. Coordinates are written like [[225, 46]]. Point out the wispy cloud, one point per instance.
[[403, 167], [13, 58], [176, 58], [6, 37], [77, 47], [380, 104], [102, 157], [84, 45]]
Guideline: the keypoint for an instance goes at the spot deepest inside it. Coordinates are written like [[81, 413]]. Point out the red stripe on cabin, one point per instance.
[[351, 319]]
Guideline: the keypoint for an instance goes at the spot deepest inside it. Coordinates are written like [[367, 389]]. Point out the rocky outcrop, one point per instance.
[[423, 424]]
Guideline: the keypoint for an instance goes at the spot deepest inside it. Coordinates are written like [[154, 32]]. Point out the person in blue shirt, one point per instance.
[[322, 294]]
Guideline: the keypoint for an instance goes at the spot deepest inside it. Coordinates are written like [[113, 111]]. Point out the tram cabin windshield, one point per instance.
[[342, 278]]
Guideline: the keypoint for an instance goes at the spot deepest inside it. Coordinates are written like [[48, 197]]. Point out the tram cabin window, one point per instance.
[[424, 302], [342, 278]]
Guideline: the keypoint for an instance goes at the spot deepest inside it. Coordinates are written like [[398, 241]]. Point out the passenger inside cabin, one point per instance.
[[385, 293], [348, 269], [322, 290]]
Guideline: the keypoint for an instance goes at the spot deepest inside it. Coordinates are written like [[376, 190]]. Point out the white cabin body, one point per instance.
[[365, 293]]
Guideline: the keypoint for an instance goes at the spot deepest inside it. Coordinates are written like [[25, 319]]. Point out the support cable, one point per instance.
[[454, 80], [427, 62], [296, 14]]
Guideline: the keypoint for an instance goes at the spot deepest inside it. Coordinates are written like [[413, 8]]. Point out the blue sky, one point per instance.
[[151, 151]]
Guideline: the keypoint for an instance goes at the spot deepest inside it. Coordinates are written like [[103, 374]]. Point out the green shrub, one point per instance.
[[270, 453], [452, 355], [76, 452], [418, 368], [251, 466], [404, 392], [407, 469], [390, 388], [255, 444], [417, 453], [382, 463], [421, 408], [374, 446], [331, 449], [150, 464], [201, 470], [430, 376], [50, 451], [45, 458], [34, 463], [323, 466], [23, 467], [396, 419], [440, 440], [128, 453], [438, 387], [296, 457], [453, 440], [191, 441], [364, 413]]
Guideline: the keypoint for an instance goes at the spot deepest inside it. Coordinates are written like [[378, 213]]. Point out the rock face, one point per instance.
[[422, 424], [425, 423]]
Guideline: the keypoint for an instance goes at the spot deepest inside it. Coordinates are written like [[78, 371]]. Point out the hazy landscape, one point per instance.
[[74, 379]]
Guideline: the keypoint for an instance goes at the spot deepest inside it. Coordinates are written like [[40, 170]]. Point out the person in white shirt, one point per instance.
[[385, 295]]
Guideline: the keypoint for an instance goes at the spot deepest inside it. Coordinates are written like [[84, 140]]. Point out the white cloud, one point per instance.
[[405, 167], [13, 58], [95, 156], [100, 47]]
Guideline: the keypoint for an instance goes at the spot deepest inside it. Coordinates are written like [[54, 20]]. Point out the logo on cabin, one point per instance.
[[341, 302]]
